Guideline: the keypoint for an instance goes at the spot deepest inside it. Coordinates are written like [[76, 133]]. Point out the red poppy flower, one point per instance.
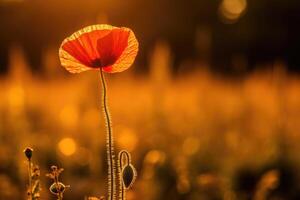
[[105, 47]]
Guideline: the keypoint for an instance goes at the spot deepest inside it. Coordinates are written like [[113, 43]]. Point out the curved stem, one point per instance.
[[127, 156], [109, 143]]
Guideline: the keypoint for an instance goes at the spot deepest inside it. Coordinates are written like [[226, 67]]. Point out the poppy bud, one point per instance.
[[28, 152], [57, 188], [128, 175]]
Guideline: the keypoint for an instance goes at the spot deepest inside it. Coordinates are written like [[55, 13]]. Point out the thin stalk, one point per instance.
[[109, 143], [60, 194], [29, 178]]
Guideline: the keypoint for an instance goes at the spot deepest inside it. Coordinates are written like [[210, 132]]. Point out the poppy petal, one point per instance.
[[128, 54], [99, 46], [70, 63]]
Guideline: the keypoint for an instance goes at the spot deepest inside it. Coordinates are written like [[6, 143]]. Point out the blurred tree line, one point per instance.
[[267, 31]]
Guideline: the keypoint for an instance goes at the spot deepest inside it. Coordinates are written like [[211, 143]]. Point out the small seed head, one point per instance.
[[28, 152]]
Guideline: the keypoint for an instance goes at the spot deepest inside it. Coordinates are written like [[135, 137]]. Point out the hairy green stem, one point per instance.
[[109, 143]]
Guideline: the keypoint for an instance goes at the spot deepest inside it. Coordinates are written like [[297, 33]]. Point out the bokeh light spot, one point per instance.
[[67, 146], [155, 156], [231, 10]]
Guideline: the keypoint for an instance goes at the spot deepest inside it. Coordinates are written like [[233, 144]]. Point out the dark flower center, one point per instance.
[[96, 63], [99, 63]]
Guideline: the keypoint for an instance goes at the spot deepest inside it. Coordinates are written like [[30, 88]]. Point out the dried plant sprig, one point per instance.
[[127, 173], [33, 189], [36, 186], [57, 188], [28, 153], [268, 182]]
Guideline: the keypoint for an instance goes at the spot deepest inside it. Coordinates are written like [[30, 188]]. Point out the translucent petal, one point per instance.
[[99, 46]]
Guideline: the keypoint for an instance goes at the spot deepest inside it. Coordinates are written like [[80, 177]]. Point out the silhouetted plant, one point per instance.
[[268, 182], [57, 188], [33, 188]]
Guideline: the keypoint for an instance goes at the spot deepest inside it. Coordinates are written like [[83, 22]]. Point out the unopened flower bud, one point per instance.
[[129, 176]]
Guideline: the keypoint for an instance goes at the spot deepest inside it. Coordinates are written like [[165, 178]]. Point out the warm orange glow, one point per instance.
[[16, 97], [102, 46], [67, 146], [127, 139], [69, 116], [155, 156], [190, 145], [210, 111], [231, 10]]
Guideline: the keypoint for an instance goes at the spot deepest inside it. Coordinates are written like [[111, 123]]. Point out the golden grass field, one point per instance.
[[196, 135]]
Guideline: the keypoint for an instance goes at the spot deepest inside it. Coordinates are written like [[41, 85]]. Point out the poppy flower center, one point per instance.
[[96, 63], [99, 63]]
